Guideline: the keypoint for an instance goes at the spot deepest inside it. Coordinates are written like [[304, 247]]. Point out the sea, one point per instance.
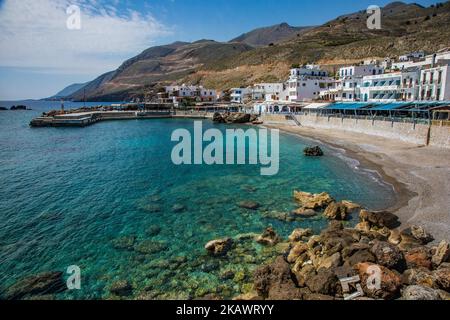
[[108, 199]]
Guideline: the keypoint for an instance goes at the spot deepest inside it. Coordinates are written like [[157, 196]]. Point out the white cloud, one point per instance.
[[33, 34]]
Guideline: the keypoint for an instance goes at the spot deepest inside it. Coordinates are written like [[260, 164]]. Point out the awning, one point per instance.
[[347, 106], [315, 106], [390, 106]]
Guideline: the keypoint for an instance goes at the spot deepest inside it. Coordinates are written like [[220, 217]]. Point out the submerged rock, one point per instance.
[[153, 230], [250, 205], [268, 237], [313, 201], [150, 247], [304, 212], [177, 208], [219, 247], [121, 288], [41, 284], [124, 242], [313, 151]]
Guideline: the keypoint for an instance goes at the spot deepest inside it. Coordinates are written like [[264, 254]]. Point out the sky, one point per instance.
[[45, 45]]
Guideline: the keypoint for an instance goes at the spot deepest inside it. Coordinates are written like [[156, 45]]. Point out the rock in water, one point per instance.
[[313, 201], [420, 234], [274, 281], [124, 243], [250, 205], [313, 151], [219, 247], [41, 284], [336, 211], [269, 237], [299, 233], [420, 293]]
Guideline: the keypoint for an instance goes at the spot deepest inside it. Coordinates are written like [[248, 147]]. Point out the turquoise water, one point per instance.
[[68, 194]]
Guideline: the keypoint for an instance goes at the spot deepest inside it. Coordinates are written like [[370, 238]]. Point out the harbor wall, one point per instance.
[[420, 134]]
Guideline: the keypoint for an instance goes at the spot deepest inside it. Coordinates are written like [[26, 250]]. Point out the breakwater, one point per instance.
[[83, 119]]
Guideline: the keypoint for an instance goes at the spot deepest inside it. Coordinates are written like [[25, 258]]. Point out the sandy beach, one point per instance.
[[420, 175]]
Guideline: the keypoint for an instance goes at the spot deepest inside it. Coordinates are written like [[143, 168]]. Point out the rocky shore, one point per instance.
[[374, 260]]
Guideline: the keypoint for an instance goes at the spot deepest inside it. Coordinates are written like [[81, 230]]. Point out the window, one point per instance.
[[304, 84], [438, 94], [344, 95], [440, 77], [431, 77], [349, 96]]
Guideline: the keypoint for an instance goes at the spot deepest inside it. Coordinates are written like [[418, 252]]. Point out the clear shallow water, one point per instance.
[[67, 194]]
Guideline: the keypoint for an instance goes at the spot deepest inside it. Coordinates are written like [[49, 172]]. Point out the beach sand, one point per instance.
[[420, 175]]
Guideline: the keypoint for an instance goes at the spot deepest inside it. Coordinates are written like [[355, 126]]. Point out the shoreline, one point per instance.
[[421, 192]]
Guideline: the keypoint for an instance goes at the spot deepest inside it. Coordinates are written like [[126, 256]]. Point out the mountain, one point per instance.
[[159, 64], [243, 61], [69, 90], [268, 35]]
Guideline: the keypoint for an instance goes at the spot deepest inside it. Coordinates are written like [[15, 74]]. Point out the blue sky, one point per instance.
[[39, 55]]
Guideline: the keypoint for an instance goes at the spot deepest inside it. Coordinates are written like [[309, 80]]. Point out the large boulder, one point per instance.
[[218, 118], [324, 282], [336, 211], [299, 234], [313, 201], [388, 255], [299, 249], [268, 237], [219, 247], [313, 151], [363, 255], [441, 253], [419, 276], [420, 234], [442, 276], [330, 262], [418, 257], [42, 284], [383, 285], [275, 281], [420, 293], [379, 219]]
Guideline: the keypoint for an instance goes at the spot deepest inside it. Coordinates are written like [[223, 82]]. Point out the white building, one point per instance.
[[424, 62], [198, 93], [305, 83], [347, 87], [390, 87], [238, 95], [412, 56], [268, 91], [435, 82]]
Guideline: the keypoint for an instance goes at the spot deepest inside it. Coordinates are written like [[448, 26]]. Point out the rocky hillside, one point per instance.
[[270, 35], [346, 39]]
